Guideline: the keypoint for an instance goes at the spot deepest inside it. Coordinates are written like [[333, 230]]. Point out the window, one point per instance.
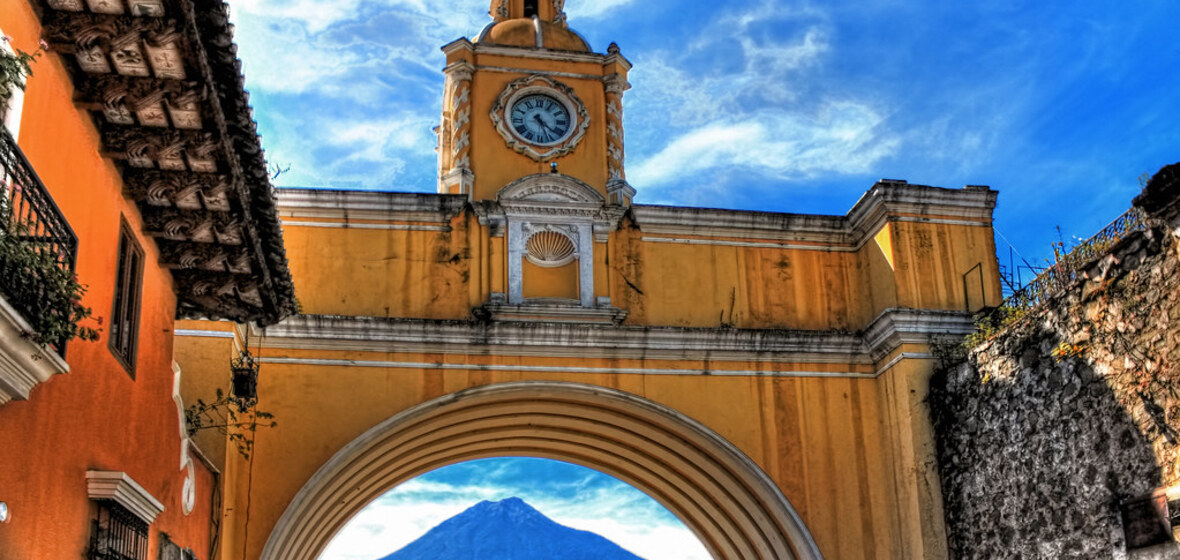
[[172, 551], [117, 534], [125, 315], [530, 8]]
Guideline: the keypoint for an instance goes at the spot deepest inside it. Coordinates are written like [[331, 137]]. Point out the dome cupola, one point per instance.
[[533, 24]]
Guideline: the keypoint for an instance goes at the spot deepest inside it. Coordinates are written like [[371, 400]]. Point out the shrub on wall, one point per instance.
[[43, 291]]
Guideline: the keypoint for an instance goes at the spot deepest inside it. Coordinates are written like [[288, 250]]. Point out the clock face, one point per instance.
[[540, 119]]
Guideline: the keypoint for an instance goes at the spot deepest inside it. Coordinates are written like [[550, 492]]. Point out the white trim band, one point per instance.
[[117, 486]]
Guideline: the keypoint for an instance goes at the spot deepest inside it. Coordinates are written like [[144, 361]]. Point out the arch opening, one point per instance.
[[479, 491], [719, 493]]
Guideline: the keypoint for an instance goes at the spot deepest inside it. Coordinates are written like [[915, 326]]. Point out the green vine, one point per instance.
[[47, 294], [15, 67], [231, 416], [990, 324]]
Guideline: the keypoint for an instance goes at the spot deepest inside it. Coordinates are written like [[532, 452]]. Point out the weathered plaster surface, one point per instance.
[[1049, 426]]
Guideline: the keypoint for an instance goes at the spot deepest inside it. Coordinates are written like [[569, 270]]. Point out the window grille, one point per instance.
[[172, 551], [125, 315], [117, 534]]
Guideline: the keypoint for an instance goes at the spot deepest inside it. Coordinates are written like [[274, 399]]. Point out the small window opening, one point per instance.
[[125, 315], [530, 8], [117, 534]]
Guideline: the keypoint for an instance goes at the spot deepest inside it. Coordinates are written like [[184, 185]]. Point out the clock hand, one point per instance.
[[544, 127], [543, 124]]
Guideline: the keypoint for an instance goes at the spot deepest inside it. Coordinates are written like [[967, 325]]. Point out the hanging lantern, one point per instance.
[[245, 378]]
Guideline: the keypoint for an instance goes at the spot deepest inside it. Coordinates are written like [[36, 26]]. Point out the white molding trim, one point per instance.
[[887, 333], [117, 486], [532, 54], [752, 244], [204, 334], [549, 188], [546, 73], [295, 204], [10, 115], [385, 364], [188, 492], [886, 201], [350, 225], [893, 328], [23, 364]]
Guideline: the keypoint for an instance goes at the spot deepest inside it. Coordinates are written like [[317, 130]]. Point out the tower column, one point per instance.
[[615, 83], [455, 144]]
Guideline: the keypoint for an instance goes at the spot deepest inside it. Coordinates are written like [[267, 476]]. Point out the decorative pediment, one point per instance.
[[550, 187]]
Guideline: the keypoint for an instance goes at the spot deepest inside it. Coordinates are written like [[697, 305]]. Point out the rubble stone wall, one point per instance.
[[1069, 411]]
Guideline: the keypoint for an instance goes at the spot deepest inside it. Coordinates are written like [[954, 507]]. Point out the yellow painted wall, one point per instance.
[[556, 282], [443, 275], [826, 442]]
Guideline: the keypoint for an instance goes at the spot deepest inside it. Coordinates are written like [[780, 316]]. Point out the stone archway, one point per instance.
[[715, 489]]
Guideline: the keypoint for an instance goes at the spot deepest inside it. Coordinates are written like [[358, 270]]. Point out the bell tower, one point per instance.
[[530, 97], [532, 134]]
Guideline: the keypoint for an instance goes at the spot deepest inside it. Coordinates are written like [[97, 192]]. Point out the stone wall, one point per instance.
[[1055, 422]]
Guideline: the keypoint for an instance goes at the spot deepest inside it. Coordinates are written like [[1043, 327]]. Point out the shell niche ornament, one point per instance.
[[540, 117], [549, 249]]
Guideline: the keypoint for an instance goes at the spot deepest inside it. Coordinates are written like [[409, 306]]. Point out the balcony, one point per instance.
[[36, 243]]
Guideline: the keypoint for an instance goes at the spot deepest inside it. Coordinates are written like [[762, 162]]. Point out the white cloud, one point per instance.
[[603, 506], [379, 140], [839, 138], [318, 15], [593, 9]]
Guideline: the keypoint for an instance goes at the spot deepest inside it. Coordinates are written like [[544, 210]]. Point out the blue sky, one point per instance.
[[779, 105], [568, 494]]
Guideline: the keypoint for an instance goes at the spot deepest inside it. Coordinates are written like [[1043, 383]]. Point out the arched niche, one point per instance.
[[551, 203], [715, 489]]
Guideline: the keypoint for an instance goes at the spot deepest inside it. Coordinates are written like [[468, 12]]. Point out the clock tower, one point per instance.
[[532, 135], [530, 97]]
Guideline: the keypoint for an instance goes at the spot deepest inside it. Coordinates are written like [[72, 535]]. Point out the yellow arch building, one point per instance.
[[762, 375]]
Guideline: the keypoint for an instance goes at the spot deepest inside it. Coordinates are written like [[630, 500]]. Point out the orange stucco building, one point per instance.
[[762, 375], [104, 169]]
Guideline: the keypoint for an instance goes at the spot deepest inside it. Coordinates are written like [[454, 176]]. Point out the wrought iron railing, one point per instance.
[[28, 204], [1065, 271], [30, 217]]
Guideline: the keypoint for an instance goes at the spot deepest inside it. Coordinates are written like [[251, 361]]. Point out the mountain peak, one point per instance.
[[508, 529]]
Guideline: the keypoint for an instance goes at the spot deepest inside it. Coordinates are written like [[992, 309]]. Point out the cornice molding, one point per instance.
[[366, 205], [117, 486], [885, 201], [540, 338], [897, 327], [529, 52], [23, 364], [552, 313]]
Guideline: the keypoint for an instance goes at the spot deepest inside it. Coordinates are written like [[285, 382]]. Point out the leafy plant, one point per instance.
[[232, 417], [47, 294], [14, 68], [989, 324], [1066, 350]]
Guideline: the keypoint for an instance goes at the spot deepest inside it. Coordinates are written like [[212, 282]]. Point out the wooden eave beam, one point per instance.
[[214, 207]]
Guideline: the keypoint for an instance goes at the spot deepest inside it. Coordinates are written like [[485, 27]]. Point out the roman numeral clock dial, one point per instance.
[[540, 119]]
